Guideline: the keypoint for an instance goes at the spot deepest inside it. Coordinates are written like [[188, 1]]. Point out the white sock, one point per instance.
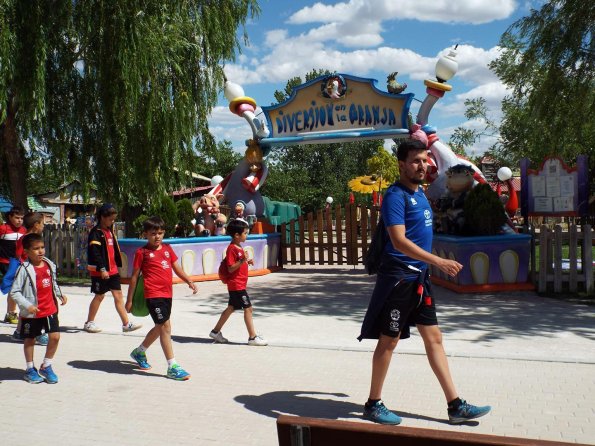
[[171, 362], [141, 348], [30, 365], [46, 363]]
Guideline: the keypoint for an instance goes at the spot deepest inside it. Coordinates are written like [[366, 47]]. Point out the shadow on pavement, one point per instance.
[[10, 374], [313, 405], [344, 294], [6, 337], [190, 340], [112, 366]]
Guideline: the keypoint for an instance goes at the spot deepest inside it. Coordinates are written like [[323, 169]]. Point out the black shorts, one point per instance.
[[31, 327], [159, 309], [102, 286], [407, 306], [239, 299]]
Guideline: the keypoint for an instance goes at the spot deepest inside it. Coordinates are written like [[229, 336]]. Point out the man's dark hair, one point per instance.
[[31, 218], [154, 223], [236, 226], [16, 210], [409, 145], [29, 239]]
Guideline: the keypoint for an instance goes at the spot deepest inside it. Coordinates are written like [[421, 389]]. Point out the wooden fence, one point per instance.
[[336, 236], [555, 272]]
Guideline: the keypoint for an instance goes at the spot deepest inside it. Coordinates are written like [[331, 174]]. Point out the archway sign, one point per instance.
[[337, 108], [332, 109]]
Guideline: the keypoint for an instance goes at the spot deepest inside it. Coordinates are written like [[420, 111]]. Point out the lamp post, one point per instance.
[[446, 68]]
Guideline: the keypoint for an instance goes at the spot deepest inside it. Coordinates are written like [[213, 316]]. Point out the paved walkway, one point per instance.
[[531, 358]]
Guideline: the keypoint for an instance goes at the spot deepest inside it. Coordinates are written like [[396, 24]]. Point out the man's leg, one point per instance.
[[380, 362], [432, 337]]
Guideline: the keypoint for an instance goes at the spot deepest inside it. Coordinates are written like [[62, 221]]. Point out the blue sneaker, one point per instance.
[[141, 359], [48, 374], [467, 412], [32, 376], [378, 413], [178, 373], [42, 339], [16, 337]]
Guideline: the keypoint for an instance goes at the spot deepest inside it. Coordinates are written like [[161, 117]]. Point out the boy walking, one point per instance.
[[156, 260], [237, 265], [104, 259], [10, 232], [35, 290], [33, 223]]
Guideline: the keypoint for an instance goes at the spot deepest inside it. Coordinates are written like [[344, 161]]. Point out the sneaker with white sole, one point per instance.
[[91, 327], [32, 376], [466, 412], [131, 326], [378, 413], [48, 374], [11, 317], [257, 341], [218, 337], [42, 339], [140, 358], [178, 373]]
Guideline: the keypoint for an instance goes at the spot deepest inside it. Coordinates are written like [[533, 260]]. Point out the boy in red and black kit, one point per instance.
[[10, 232], [35, 290], [104, 259], [237, 265], [156, 260]]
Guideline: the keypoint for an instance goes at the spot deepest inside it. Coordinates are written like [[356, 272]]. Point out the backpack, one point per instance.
[[373, 256], [223, 271], [139, 303]]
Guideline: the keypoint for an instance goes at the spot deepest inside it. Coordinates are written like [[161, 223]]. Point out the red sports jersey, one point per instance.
[[46, 305], [155, 264], [239, 278], [8, 239], [110, 252]]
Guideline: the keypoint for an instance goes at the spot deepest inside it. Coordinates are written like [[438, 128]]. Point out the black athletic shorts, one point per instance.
[[239, 299], [408, 304], [31, 327], [102, 286], [159, 309]]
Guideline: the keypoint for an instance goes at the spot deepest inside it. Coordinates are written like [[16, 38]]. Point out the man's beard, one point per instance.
[[417, 180]]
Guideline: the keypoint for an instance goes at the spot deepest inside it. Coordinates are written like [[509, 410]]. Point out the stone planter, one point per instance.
[[490, 263]]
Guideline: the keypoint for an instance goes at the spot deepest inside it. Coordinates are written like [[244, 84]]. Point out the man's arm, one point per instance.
[[403, 244]]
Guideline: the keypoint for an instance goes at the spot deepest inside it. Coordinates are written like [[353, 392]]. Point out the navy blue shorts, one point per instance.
[[408, 304], [32, 327]]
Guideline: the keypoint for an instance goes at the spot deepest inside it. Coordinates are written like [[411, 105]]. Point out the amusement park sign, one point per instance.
[[337, 108]]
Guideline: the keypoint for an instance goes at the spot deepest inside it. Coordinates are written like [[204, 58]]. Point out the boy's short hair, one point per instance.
[[105, 210], [31, 218], [29, 239], [236, 226], [409, 145], [154, 223], [16, 210]]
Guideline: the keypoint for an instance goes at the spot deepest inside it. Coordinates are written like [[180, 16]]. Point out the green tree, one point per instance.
[[464, 138], [383, 164], [185, 214], [167, 210], [548, 62], [219, 159], [115, 93]]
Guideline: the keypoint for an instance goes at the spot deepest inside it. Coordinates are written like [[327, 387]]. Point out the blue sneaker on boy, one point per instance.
[[378, 413], [466, 412], [48, 374], [178, 373], [140, 358], [42, 339], [32, 376]]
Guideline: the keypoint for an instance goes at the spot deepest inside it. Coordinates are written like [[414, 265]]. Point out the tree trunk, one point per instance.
[[14, 156]]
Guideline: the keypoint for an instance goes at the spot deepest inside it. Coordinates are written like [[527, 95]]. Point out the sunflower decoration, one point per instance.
[[368, 183]]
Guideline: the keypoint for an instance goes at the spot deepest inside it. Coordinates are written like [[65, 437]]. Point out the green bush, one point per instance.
[[137, 224], [185, 215], [166, 209], [484, 212]]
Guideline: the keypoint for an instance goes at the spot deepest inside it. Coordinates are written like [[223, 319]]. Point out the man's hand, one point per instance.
[[450, 267]]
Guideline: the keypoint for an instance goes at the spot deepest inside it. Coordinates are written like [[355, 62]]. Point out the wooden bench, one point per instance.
[[301, 431]]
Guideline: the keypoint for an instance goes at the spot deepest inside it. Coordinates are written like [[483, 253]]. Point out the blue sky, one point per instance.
[[372, 38]]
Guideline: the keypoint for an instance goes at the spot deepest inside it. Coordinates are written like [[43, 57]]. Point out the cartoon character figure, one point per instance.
[[208, 218], [459, 181]]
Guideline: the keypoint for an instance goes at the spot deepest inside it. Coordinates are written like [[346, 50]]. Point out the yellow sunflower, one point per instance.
[[367, 184]]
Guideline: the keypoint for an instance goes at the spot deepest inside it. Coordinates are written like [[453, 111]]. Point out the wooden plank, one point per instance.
[[320, 234], [302, 240], [587, 258], [292, 242], [339, 234], [330, 239], [543, 256], [558, 238], [311, 242], [302, 431], [572, 257]]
